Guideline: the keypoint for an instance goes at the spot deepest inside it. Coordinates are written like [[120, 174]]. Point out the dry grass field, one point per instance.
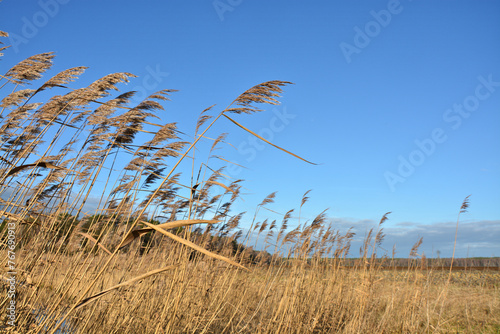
[[162, 250], [207, 296]]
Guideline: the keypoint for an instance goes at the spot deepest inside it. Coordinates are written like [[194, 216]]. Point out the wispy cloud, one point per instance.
[[475, 238]]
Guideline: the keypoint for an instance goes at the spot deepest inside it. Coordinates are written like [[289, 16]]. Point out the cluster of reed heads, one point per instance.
[[111, 238]]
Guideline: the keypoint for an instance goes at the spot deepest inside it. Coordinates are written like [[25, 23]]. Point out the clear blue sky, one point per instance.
[[372, 79]]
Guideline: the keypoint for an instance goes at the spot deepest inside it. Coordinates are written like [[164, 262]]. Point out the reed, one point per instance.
[[119, 234]]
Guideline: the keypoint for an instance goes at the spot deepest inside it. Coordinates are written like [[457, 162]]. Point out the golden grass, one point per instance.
[[297, 297], [161, 252]]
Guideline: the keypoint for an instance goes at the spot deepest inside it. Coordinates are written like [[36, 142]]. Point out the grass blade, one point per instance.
[[95, 241], [135, 279], [194, 246], [17, 169], [267, 141], [178, 223], [221, 185]]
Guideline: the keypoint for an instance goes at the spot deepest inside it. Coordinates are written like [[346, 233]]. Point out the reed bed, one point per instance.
[[105, 231]]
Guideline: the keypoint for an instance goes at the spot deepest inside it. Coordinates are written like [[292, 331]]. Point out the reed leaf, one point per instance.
[[267, 141], [178, 223], [17, 169], [135, 279], [194, 246], [222, 185], [95, 241]]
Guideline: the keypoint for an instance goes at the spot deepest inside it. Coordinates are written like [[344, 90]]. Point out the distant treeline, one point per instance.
[[477, 262]]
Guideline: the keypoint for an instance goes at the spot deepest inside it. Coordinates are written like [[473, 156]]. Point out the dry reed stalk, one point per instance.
[[307, 293], [263, 93]]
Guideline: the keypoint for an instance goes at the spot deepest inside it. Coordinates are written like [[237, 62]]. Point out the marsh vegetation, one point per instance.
[[117, 228]]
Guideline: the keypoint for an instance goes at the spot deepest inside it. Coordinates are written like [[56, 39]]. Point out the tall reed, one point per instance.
[[115, 233]]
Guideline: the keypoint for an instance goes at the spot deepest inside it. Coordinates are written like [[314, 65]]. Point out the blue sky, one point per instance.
[[398, 102]]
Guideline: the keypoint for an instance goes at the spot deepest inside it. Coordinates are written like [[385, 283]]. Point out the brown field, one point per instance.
[[454, 268], [90, 246], [207, 295]]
